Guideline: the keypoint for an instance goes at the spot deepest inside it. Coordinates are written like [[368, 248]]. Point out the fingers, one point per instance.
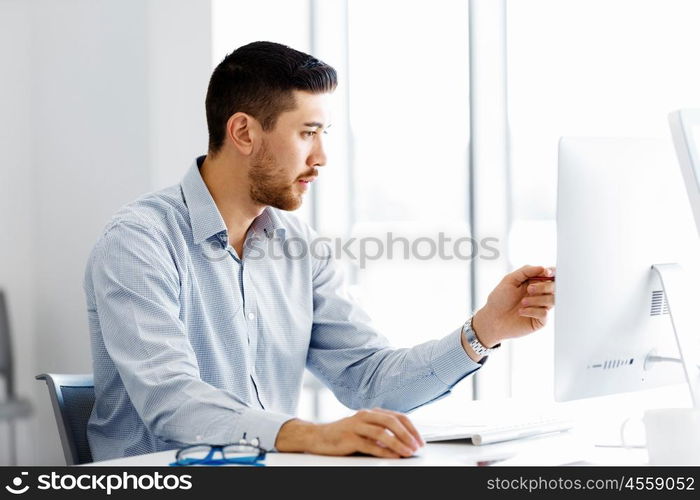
[[406, 422], [381, 436], [539, 313], [521, 275], [369, 447], [390, 421], [546, 301], [543, 288]]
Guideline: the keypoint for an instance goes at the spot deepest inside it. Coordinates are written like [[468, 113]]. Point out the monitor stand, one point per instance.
[[685, 320]]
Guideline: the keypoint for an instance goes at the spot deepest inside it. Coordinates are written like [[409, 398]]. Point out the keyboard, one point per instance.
[[487, 434]]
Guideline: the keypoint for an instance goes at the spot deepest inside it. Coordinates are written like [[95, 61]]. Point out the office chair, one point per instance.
[[12, 408], [72, 399]]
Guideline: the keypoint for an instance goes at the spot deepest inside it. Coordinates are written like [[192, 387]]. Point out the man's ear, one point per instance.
[[243, 131]]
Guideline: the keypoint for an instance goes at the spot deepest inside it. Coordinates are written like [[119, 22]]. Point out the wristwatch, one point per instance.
[[473, 341]]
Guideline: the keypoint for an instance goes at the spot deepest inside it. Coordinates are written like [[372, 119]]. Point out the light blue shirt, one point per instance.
[[191, 344]]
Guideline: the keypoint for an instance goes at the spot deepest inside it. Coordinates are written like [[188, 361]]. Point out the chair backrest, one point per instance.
[[72, 399], [6, 369]]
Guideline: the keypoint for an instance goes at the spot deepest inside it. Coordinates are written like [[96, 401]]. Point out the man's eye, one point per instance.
[[309, 133]]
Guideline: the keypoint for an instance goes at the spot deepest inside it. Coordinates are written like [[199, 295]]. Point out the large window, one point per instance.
[[398, 161], [409, 113], [584, 68], [408, 81]]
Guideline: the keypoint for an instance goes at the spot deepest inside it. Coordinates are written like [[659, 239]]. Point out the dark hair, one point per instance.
[[258, 79]]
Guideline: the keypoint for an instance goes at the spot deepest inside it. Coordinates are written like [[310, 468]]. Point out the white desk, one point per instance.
[[600, 425], [566, 448]]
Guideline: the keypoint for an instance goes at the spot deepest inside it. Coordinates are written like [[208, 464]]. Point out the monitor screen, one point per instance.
[[685, 130], [695, 145], [621, 209]]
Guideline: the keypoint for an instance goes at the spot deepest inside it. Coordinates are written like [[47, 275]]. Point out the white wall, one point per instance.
[[180, 47], [106, 102], [16, 189]]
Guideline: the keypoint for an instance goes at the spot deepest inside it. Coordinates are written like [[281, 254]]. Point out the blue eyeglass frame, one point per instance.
[[253, 460]]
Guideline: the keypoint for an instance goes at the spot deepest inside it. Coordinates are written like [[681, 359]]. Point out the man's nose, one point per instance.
[[318, 157]]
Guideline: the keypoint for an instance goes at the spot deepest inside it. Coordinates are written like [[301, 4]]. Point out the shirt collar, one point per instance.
[[205, 219], [269, 224]]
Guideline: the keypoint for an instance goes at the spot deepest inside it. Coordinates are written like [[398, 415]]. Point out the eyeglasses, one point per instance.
[[241, 453]]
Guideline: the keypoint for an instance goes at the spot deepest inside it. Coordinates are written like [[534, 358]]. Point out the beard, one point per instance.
[[269, 184]]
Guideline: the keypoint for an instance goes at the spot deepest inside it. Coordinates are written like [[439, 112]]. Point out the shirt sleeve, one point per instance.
[[358, 364], [137, 289]]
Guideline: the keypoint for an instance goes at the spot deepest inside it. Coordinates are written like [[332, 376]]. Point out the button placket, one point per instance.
[[251, 309], [251, 313]]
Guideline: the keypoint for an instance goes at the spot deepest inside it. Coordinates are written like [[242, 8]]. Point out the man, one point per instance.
[[195, 341]]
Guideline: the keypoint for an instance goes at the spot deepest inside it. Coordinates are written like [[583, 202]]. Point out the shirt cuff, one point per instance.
[[450, 361], [261, 424]]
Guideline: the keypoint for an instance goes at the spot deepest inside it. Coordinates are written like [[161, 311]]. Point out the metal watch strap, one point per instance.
[[473, 340]]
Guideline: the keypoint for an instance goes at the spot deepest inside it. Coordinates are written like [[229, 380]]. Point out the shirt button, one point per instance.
[[251, 316]]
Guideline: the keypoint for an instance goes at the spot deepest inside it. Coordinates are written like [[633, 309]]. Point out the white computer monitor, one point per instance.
[[685, 129], [621, 209]]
